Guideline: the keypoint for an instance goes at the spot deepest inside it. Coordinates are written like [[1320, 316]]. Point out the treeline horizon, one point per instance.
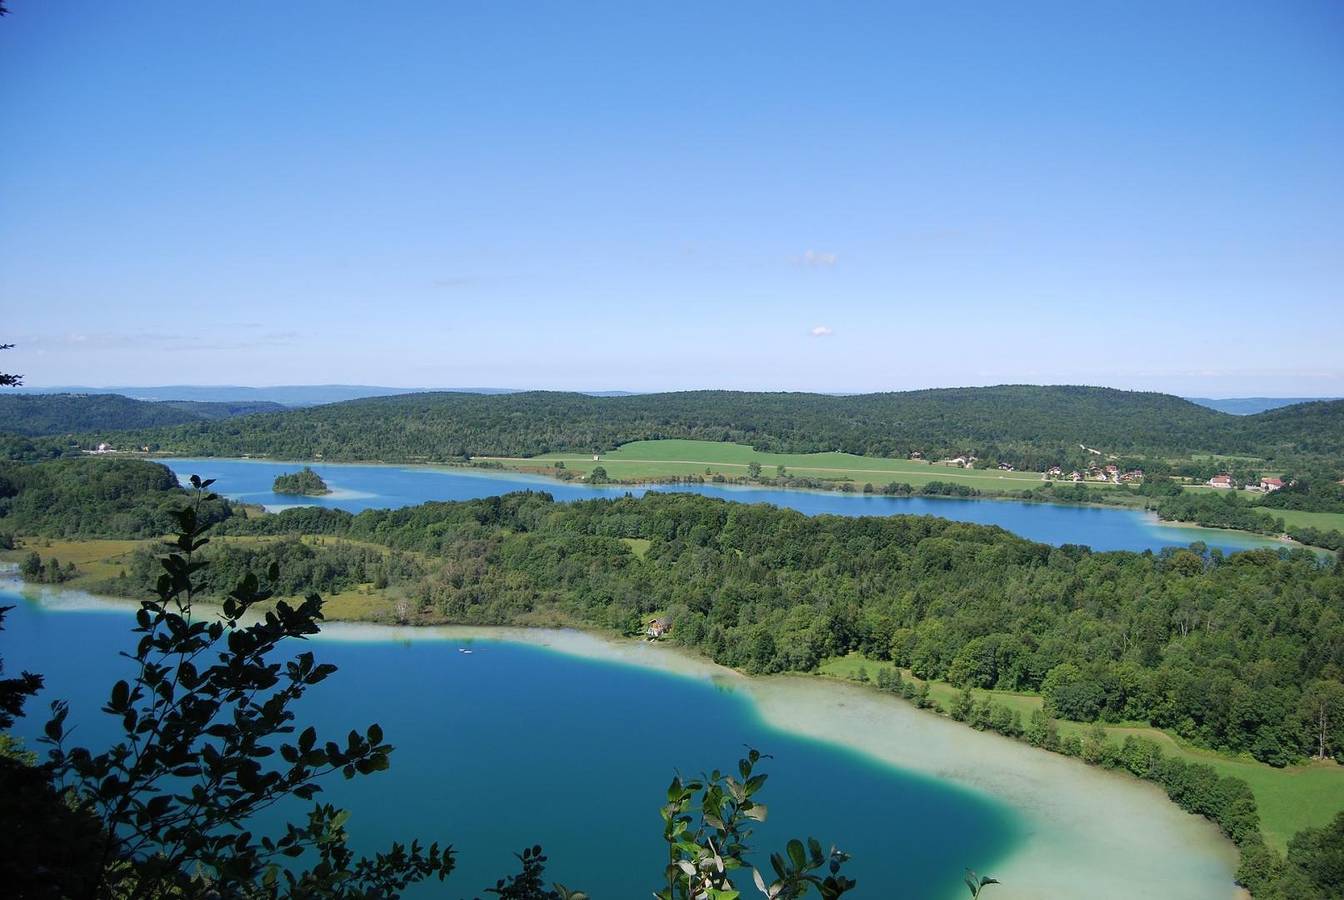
[[1029, 426]]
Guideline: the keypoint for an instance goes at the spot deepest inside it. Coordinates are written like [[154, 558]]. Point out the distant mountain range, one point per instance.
[[318, 394], [1249, 406], [284, 394]]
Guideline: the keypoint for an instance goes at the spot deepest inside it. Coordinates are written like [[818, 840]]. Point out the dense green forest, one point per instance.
[[1031, 427], [1311, 429], [20, 448], [88, 497], [305, 482], [302, 567], [36, 415], [1223, 650]]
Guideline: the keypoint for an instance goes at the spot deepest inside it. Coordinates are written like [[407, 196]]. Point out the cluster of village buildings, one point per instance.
[[1110, 474], [1227, 482], [965, 462], [105, 448]]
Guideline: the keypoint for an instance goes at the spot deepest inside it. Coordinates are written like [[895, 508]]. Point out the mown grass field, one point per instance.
[[1224, 457], [662, 459], [1289, 799], [95, 560]]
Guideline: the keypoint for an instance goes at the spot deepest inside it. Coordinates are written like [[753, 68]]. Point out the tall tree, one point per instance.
[[1322, 712], [8, 380]]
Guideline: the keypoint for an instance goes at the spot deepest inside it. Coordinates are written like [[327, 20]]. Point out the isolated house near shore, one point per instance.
[[659, 627]]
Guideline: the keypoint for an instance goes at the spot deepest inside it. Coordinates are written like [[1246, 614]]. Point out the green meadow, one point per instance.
[[1289, 799], [1297, 519], [667, 458], [98, 561], [1293, 518]]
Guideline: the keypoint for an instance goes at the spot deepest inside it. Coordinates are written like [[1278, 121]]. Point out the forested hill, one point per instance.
[[51, 414], [1022, 422], [1312, 428]]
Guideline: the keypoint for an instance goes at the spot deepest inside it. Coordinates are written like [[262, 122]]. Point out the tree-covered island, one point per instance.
[[305, 482]]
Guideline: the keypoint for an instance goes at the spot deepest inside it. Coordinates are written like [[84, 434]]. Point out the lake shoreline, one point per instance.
[[543, 482], [1066, 840], [1279, 538]]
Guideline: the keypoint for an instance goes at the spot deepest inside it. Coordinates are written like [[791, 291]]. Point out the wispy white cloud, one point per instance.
[[820, 258], [821, 331], [229, 337], [454, 281]]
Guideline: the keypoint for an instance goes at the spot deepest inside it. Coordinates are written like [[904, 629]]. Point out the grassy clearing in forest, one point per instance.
[[667, 458], [638, 546], [98, 561], [1294, 518], [95, 560]]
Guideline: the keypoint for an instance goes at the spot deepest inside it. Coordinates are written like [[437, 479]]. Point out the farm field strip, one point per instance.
[[666, 458]]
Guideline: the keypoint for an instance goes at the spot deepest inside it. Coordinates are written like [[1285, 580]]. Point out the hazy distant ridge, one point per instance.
[[35, 415], [284, 394], [1249, 406]]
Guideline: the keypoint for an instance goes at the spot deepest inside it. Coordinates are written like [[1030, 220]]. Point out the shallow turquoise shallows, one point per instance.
[[356, 487], [511, 745]]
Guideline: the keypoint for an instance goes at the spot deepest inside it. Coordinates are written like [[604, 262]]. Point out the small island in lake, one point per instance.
[[306, 482]]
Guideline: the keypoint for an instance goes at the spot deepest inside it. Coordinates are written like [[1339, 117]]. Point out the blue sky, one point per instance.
[[835, 197]]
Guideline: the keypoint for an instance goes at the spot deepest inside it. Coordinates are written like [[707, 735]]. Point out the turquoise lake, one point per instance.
[[359, 487], [512, 745], [515, 744]]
